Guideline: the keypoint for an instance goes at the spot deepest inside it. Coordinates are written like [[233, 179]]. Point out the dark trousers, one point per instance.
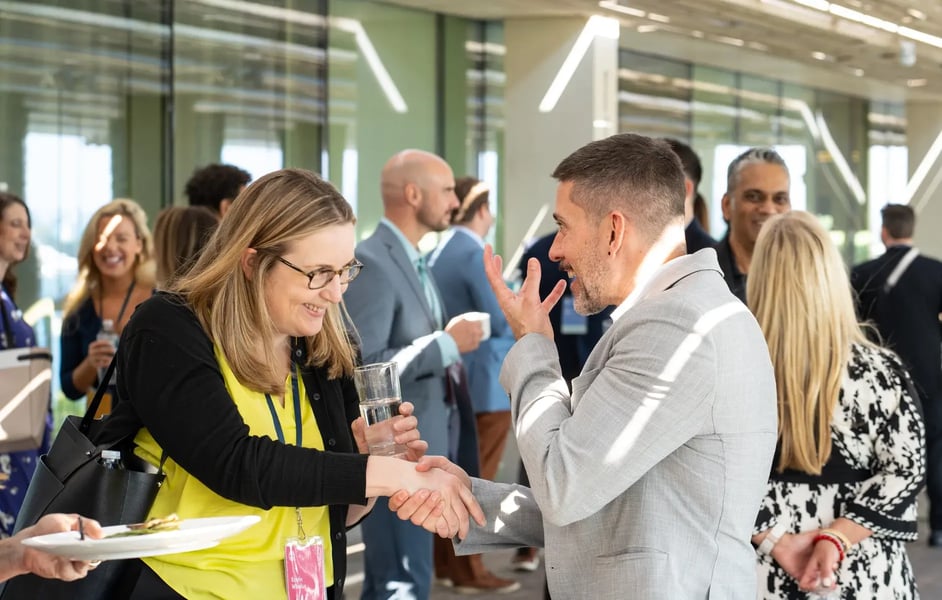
[[398, 556], [461, 570], [932, 412]]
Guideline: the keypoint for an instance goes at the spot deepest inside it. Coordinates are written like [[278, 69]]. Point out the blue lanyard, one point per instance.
[[297, 410]]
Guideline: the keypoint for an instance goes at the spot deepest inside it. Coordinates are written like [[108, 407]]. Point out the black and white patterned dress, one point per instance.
[[876, 468]]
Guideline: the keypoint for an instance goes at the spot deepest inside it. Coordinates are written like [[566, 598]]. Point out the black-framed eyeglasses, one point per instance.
[[321, 277]]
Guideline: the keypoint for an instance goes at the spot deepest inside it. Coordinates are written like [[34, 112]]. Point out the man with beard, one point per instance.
[[756, 188], [646, 478], [399, 316]]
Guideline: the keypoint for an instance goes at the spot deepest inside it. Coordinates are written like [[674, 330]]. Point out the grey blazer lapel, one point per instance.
[[398, 255]]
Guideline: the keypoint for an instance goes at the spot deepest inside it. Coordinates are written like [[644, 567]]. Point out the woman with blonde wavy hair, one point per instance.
[[841, 500], [241, 376], [116, 273]]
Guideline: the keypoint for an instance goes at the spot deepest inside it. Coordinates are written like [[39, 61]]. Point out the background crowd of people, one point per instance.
[[242, 318]]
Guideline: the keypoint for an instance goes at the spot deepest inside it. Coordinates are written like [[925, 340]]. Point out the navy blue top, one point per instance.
[[697, 238], [79, 330], [22, 333]]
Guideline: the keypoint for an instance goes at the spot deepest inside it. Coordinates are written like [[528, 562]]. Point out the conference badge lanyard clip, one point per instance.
[[304, 555], [571, 322]]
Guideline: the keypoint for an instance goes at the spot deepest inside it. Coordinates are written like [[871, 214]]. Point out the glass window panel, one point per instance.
[[654, 96], [485, 82], [715, 111], [888, 167], [758, 112], [838, 188], [249, 85], [382, 95], [81, 86]]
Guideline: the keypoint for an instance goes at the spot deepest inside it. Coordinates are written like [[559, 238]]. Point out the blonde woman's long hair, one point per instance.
[[799, 291], [180, 233], [270, 214], [89, 277]]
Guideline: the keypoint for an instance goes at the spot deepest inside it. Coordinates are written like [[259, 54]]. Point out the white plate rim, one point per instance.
[[193, 534]]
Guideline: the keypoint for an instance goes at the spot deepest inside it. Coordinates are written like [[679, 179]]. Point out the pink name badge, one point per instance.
[[304, 569]]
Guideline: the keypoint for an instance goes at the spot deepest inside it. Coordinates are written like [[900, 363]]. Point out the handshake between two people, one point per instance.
[[430, 491]]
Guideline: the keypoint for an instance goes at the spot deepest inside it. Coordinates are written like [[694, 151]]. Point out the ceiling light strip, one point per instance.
[[625, 10], [858, 17], [919, 36], [595, 26], [373, 61]]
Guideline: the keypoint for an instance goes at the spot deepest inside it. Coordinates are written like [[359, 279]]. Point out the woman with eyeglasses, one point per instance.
[[240, 376], [116, 273]]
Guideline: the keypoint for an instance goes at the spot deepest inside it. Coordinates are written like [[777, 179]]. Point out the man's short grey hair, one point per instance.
[[634, 174], [750, 157]]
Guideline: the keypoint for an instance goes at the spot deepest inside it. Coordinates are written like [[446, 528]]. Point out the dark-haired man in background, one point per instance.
[[697, 237], [216, 186], [901, 293]]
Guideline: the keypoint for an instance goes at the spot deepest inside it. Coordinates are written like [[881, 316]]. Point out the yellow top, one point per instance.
[[250, 564]]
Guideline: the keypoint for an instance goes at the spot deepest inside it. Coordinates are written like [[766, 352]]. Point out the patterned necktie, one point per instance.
[[421, 267]]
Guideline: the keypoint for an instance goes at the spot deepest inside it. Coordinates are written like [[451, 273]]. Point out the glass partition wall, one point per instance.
[[843, 152], [122, 98]]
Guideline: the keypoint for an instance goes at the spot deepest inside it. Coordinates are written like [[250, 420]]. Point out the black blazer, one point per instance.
[[908, 316], [697, 238], [734, 279]]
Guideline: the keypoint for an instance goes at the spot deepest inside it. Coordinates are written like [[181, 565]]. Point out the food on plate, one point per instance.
[[168, 523]]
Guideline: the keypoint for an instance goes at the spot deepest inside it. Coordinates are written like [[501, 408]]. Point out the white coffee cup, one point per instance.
[[484, 319]]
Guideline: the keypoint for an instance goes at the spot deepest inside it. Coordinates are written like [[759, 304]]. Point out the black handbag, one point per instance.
[[71, 479]]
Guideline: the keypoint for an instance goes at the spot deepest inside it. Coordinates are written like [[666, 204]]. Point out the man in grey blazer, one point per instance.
[[646, 479], [399, 316]]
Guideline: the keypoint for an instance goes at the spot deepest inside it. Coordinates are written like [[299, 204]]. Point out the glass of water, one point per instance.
[[378, 388]]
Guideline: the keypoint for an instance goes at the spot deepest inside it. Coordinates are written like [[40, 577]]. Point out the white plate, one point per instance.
[[193, 534]]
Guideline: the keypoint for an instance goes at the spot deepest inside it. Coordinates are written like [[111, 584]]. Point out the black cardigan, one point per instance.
[[170, 383]]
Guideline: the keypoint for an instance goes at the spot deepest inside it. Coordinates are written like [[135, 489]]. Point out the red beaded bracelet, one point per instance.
[[837, 543]]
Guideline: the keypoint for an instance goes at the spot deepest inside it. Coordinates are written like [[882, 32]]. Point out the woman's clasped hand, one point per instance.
[[443, 510], [406, 433], [812, 564]]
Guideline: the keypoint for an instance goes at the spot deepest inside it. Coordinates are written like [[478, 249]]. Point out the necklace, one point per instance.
[[124, 304]]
